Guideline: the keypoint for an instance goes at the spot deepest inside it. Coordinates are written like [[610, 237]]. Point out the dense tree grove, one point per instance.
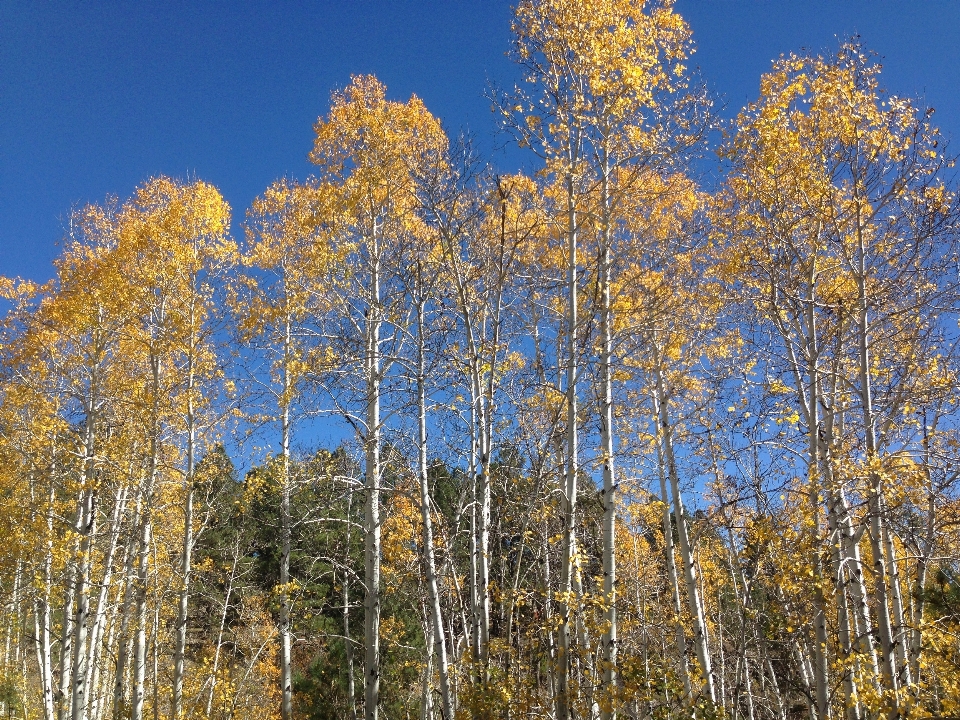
[[616, 441]]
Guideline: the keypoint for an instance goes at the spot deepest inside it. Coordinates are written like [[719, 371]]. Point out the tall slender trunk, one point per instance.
[[140, 603], [475, 612], [426, 692], [483, 540], [156, 660], [42, 610], [123, 653], [347, 638], [103, 679], [64, 696], [480, 368], [875, 502], [608, 639], [41, 631], [215, 665], [180, 643], [548, 615], [899, 629], [844, 640], [923, 555], [105, 607], [86, 527], [781, 705], [286, 671], [686, 552], [811, 403], [567, 569], [670, 557], [15, 626], [372, 519], [806, 677], [435, 612], [858, 592], [143, 553]]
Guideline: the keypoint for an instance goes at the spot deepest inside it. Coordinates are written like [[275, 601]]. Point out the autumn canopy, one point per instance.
[[620, 437]]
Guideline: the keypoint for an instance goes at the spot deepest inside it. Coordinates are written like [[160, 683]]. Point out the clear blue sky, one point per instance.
[[95, 97]]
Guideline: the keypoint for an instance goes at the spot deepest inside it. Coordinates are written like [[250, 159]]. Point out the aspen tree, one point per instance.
[[75, 329], [423, 275], [91, 329], [669, 317], [204, 258], [841, 211], [480, 224], [289, 252], [32, 447], [161, 223], [610, 74], [367, 148]]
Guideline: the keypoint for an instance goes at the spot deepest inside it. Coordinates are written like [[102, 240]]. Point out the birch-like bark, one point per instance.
[[12, 637], [64, 696], [781, 705], [123, 653], [186, 568], [140, 593], [286, 671], [426, 691], [482, 371], [812, 402], [888, 662], [899, 629], [105, 607], [608, 639], [42, 610], [923, 555], [485, 416], [223, 623], [568, 560], [858, 591], [475, 613], [143, 553], [86, 527], [808, 394], [844, 640], [103, 678], [548, 615], [435, 612], [686, 552], [347, 638], [670, 557], [483, 544], [806, 678], [372, 519], [41, 631]]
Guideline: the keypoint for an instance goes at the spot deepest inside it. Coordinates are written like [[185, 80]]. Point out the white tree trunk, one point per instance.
[[567, 569], [286, 670], [608, 640], [42, 612], [143, 571], [120, 685], [695, 604], [180, 641], [64, 696], [347, 638], [435, 612], [86, 527], [372, 515], [105, 607], [215, 665]]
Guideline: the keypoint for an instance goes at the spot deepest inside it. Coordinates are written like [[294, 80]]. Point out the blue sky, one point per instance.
[[97, 97]]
